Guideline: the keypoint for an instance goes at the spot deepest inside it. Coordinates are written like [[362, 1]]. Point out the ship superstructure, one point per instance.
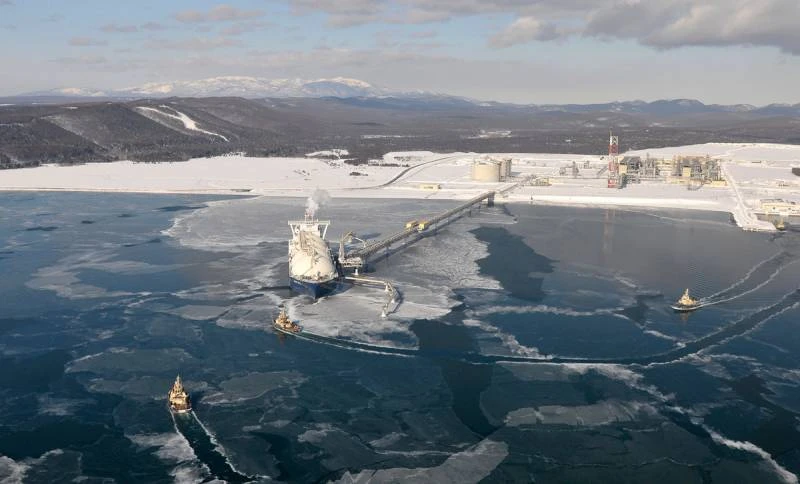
[[285, 325], [178, 398], [686, 303], [311, 267]]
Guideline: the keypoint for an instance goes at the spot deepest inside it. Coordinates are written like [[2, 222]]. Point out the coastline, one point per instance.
[[547, 200], [424, 175]]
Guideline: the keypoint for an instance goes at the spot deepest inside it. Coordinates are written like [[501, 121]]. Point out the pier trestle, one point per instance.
[[356, 259]]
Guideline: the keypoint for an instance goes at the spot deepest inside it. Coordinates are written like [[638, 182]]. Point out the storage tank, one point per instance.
[[486, 171], [505, 168]]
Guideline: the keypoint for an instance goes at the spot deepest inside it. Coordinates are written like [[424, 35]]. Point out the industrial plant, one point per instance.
[[619, 171], [479, 179]]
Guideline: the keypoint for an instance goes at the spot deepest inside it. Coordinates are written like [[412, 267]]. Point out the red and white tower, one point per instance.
[[613, 162]]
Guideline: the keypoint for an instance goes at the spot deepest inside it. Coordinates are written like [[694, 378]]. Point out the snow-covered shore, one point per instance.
[[754, 171]]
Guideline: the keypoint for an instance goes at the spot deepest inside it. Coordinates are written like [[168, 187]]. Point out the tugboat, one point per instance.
[[284, 324], [686, 303], [178, 398]]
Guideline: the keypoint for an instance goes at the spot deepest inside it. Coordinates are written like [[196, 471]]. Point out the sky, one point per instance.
[[525, 51]]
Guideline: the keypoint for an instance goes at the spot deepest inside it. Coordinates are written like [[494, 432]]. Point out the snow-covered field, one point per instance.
[[222, 174], [754, 171], [188, 122]]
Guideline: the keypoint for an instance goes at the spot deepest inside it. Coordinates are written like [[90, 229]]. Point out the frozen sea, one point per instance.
[[530, 343]]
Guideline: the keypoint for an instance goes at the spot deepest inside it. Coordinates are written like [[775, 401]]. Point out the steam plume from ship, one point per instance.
[[316, 201]]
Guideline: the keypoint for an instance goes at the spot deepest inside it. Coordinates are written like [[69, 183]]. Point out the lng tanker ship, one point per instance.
[[311, 267]]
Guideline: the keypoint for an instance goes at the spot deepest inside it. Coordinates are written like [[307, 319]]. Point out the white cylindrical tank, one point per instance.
[[486, 171]]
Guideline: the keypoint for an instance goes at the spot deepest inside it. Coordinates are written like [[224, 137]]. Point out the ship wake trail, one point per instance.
[[356, 346], [733, 330], [756, 278], [206, 448]]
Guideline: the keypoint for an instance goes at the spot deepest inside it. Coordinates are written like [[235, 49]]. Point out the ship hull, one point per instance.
[[180, 409], [314, 289], [285, 331], [684, 309]]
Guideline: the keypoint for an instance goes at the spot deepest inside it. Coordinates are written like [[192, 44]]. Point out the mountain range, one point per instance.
[[230, 86], [178, 121], [342, 87]]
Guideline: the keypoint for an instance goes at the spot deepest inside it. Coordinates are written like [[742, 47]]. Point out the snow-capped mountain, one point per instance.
[[73, 92], [380, 97], [240, 86], [257, 87]]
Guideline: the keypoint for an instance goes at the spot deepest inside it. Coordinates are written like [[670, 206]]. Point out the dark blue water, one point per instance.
[[551, 354]]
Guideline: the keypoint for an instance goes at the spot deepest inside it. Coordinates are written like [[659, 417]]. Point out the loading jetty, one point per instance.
[[356, 259]]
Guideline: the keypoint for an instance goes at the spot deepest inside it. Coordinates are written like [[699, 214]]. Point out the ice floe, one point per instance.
[[601, 413], [173, 448], [469, 466]]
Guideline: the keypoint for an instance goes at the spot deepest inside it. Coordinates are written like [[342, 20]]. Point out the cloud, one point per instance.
[[344, 13], [86, 42], [54, 17], [116, 28], [662, 24], [424, 34], [219, 13], [194, 44], [244, 27], [524, 29], [398, 40], [81, 60], [130, 28], [678, 23], [6, 2], [152, 26]]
